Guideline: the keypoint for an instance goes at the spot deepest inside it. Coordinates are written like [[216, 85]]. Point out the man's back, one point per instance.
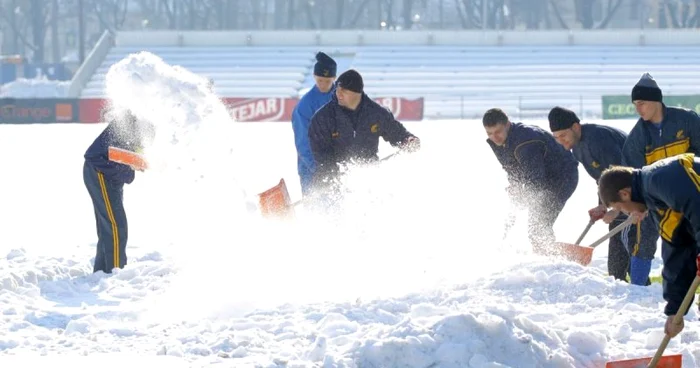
[[599, 148], [670, 178], [532, 156]]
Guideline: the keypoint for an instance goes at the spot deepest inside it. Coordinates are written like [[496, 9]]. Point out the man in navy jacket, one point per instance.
[[105, 179], [319, 95], [348, 129], [597, 147], [660, 132], [669, 192], [542, 175]]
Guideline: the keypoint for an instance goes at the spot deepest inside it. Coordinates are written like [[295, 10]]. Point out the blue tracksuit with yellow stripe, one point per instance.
[[542, 176], [599, 148], [670, 188], [678, 132], [104, 180]]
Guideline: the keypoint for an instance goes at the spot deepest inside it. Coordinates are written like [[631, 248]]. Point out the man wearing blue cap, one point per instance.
[[319, 95]]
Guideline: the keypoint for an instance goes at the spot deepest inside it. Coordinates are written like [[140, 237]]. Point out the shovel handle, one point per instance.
[[676, 320], [585, 231], [613, 232]]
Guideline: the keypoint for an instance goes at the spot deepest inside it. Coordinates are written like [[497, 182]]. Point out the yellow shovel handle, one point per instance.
[[676, 320]]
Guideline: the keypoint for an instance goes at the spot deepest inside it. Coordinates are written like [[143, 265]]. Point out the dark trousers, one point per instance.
[[543, 213], [112, 231], [618, 257]]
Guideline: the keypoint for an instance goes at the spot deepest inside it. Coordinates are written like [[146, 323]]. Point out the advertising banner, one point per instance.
[[403, 109], [268, 109], [38, 111], [621, 107], [260, 109]]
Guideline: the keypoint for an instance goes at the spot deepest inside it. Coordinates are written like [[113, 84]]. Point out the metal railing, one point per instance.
[[516, 106]]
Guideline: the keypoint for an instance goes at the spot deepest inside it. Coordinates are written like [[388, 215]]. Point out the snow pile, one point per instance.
[[191, 154], [414, 272], [35, 88]]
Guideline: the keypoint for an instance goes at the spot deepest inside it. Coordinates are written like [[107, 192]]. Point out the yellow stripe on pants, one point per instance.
[[110, 215]]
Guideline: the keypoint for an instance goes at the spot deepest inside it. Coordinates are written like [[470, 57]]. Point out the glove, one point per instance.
[[597, 213]]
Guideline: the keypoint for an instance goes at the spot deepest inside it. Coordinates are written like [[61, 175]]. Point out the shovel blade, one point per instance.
[[125, 157], [666, 361], [572, 252], [275, 202]]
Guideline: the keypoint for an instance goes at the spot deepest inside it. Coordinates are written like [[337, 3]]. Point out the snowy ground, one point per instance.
[[414, 275]]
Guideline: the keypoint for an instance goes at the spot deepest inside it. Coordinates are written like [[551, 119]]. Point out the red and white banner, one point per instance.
[[403, 109], [260, 109], [267, 109]]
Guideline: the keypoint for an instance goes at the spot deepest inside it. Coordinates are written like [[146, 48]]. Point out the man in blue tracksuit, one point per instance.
[[318, 95], [660, 132], [542, 175], [669, 192], [597, 147], [105, 179]]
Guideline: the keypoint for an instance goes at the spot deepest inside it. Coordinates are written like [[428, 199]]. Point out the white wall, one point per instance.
[[355, 38]]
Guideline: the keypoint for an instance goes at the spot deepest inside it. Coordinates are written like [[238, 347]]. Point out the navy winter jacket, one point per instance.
[[670, 188], [125, 135], [338, 134], [679, 132], [535, 162], [599, 148]]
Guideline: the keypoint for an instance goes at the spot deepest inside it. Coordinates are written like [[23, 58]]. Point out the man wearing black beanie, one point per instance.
[[598, 147], [348, 129], [661, 131], [317, 96]]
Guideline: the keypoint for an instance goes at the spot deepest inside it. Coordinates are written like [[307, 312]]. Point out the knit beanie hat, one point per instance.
[[647, 89], [351, 80], [561, 118], [325, 66]]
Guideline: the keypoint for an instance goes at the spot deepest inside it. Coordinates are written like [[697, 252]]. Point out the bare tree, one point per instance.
[[584, 13], [29, 17], [680, 14], [407, 14], [111, 14]]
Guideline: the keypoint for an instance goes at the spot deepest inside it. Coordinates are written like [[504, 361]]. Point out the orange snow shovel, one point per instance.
[[660, 361], [275, 202], [122, 156], [584, 254]]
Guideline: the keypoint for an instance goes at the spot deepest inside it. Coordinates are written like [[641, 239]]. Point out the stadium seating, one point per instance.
[[236, 71], [456, 81]]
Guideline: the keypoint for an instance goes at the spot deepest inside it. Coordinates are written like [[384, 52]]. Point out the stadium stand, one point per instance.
[[456, 81]]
